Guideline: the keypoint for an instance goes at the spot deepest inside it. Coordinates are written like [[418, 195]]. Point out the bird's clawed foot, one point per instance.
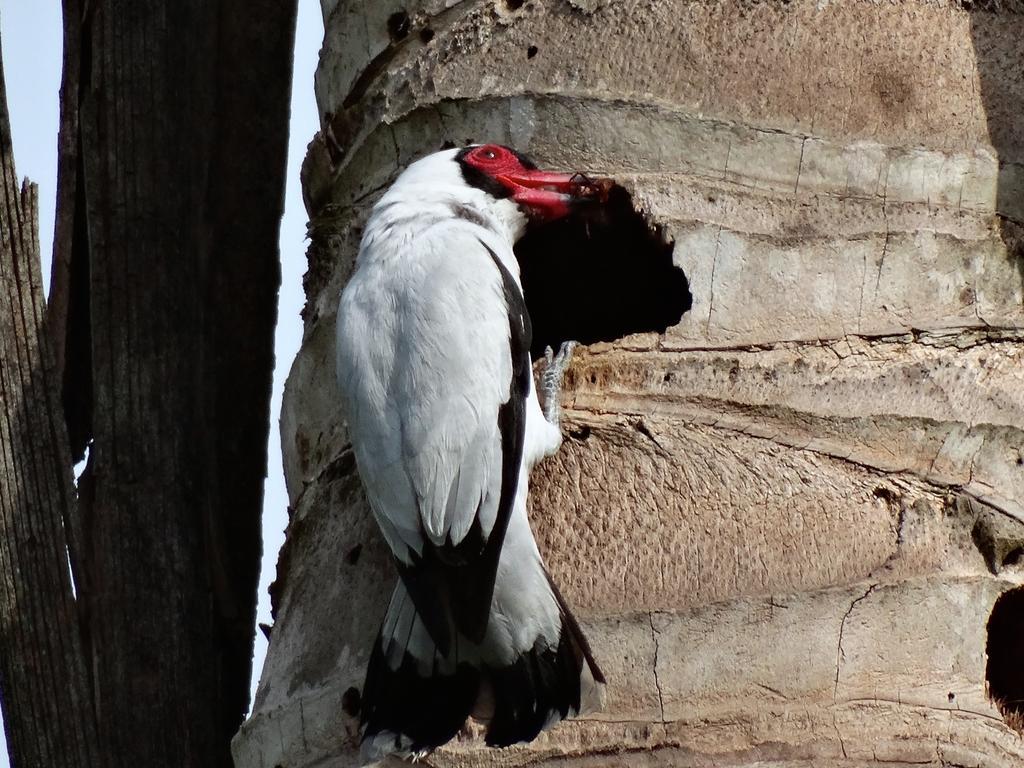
[[551, 380]]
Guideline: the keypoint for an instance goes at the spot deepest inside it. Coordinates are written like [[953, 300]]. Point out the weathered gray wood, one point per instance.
[[44, 684], [174, 124], [181, 130], [67, 305]]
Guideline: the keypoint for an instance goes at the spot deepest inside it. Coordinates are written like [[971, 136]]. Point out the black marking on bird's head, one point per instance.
[[504, 173], [476, 177]]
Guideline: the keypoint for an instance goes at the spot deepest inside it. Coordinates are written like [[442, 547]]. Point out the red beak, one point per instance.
[[548, 194]]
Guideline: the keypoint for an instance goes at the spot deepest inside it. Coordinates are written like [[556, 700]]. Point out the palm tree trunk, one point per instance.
[[793, 523]]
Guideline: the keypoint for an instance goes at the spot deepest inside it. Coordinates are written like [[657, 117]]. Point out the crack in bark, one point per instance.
[[881, 261], [839, 735], [641, 426], [657, 680], [711, 286], [773, 691], [863, 282], [839, 647], [302, 725], [957, 337], [888, 236], [839, 661], [905, 705], [800, 166]]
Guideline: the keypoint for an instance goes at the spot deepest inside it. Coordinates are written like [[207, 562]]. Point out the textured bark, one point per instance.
[[44, 687], [174, 126], [180, 129], [785, 521]]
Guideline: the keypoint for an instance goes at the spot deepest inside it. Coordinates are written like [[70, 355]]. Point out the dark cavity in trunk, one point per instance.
[[601, 273]]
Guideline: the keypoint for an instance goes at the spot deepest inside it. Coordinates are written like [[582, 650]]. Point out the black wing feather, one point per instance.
[[452, 585]]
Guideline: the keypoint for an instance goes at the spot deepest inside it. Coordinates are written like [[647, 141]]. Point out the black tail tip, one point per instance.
[[408, 710], [547, 684]]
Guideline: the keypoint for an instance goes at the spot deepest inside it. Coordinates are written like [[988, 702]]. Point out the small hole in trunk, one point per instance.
[[599, 274], [398, 25], [1004, 671], [351, 702], [1014, 557], [353, 554]]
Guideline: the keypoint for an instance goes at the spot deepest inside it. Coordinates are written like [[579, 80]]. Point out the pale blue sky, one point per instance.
[[30, 31]]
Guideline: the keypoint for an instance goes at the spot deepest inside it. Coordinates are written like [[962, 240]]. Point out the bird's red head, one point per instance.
[[503, 172]]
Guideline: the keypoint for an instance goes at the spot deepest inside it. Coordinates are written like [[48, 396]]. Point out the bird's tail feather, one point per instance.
[[546, 684], [415, 699]]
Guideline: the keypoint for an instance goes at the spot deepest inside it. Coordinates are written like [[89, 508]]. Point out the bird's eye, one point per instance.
[[489, 154]]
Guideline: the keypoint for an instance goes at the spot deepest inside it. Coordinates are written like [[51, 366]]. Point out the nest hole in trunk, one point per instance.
[[1004, 672], [601, 273]]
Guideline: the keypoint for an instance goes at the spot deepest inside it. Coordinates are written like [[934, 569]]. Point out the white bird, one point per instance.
[[433, 341]]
